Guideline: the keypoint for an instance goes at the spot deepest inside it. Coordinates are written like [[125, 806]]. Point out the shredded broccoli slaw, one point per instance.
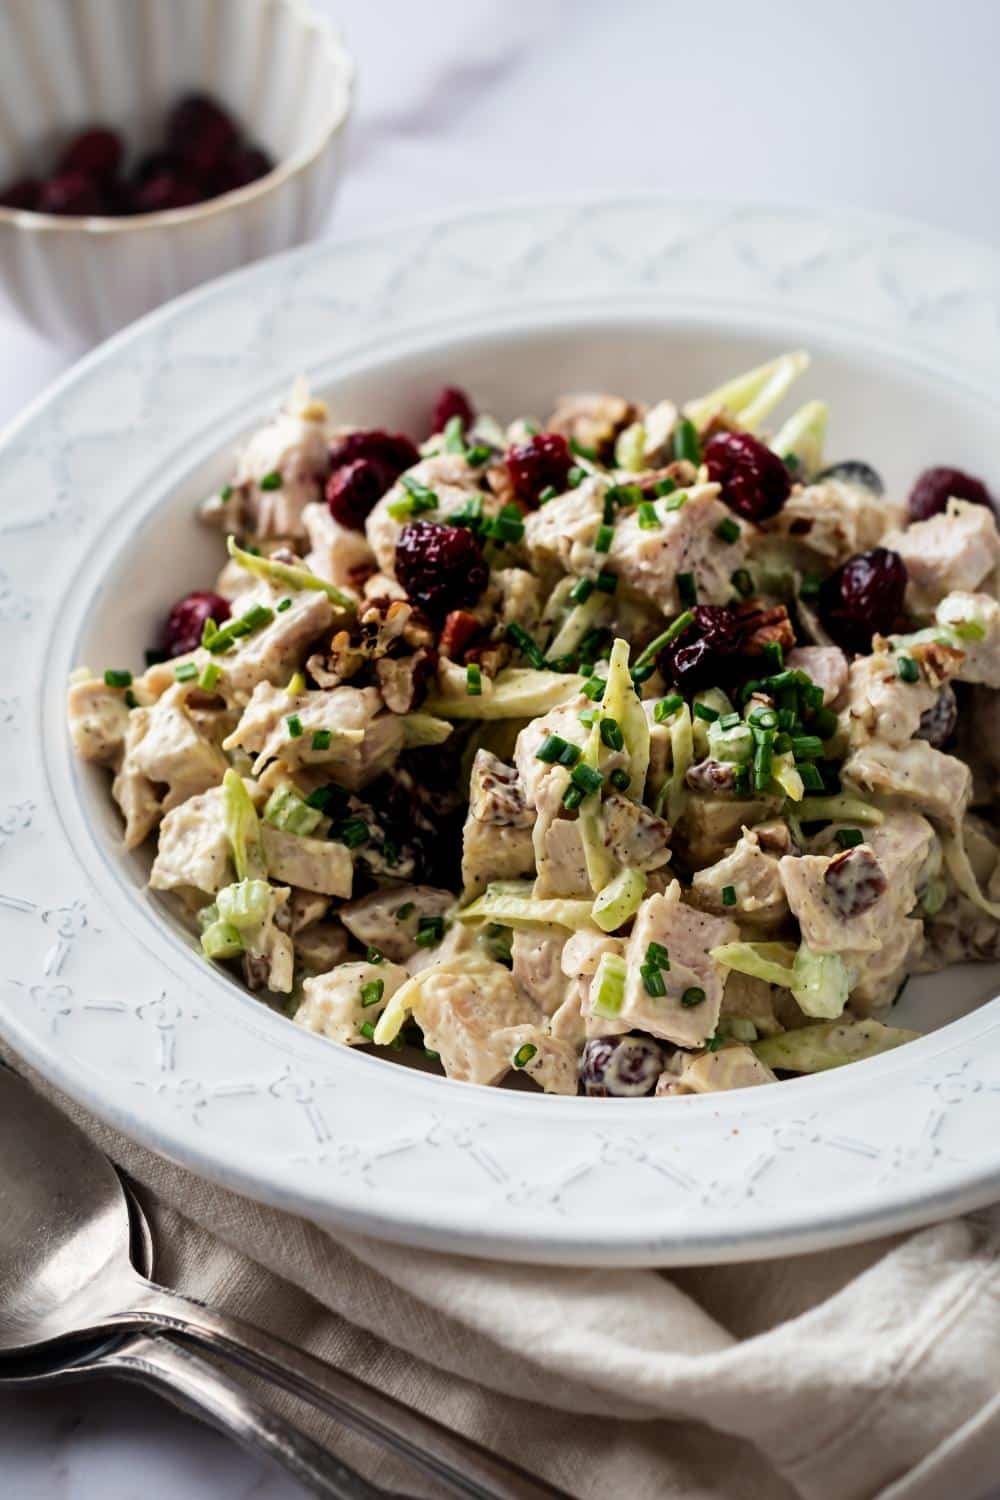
[[620, 751]]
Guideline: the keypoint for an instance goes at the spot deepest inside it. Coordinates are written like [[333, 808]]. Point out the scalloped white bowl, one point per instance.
[[64, 64], [98, 485]]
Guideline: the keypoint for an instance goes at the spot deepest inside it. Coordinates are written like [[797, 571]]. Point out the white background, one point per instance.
[[883, 104]]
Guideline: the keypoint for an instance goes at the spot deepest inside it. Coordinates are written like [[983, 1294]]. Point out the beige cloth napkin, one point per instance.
[[853, 1374]]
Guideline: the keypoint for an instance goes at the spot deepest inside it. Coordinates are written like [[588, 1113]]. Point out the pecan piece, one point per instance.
[[762, 627]]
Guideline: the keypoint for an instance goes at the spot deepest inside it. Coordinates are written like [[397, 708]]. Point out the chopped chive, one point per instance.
[[474, 680], [327, 798], [728, 530], [742, 583], [907, 669], [508, 526], [572, 797], [581, 591], [774, 653], [523, 1055], [811, 779], [570, 754], [782, 743], [702, 711], [186, 672], [664, 487], [351, 831], [454, 435], [153, 658], [741, 779], [687, 444], [610, 496], [131, 701], [587, 779], [226, 493], [809, 586], [729, 895], [673, 630], [367, 1030], [812, 695], [647, 516], [653, 981], [825, 723], [606, 583], [404, 911], [806, 746], [605, 536], [729, 721], [549, 493], [208, 629], [551, 749], [593, 689], [588, 716], [787, 718], [372, 992], [687, 589], [374, 955], [282, 605], [693, 995], [582, 451], [272, 481], [390, 851], [430, 931], [620, 779], [519, 637], [576, 476], [676, 502], [643, 673], [764, 718], [849, 838], [434, 1056], [470, 514], [657, 956], [763, 758], [321, 739], [294, 724], [611, 734], [114, 678], [667, 706], [714, 1043], [478, 455]]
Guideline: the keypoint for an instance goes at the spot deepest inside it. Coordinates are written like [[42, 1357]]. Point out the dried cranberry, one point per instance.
[[717, 777], [201, 133], [452, 402], [440, 567], [935, 487], [755, 482], [937, 723], [242, 167], [855, 880], [390, 453], [624, 1067], [864, 596], [21, 194], [186, 621], [153, 165], [353, 490], [70, 193], [708, 653], [166, 191], [96, 153], [542, 462]]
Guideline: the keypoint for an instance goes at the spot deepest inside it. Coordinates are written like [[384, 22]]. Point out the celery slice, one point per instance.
[[621, 702], [608, 986], [292, 575], [221, 940], [813, 1049], [620, 899], [242, 827], [749, 397], [515, 693], [802, 437], [821, 984], [245, 904], [511, 903]]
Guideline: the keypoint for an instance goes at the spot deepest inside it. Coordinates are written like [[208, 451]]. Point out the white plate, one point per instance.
[[97, 487]]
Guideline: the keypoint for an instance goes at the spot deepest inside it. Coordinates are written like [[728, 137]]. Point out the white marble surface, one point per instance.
[[866, 103]]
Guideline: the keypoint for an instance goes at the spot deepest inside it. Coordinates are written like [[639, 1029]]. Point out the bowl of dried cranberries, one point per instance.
[[152, 160]]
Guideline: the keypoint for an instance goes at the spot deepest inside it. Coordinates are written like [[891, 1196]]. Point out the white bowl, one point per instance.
[[64, 64], [98, 486]]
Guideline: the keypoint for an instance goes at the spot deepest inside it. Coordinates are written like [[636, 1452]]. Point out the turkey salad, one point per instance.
[[637, 752]]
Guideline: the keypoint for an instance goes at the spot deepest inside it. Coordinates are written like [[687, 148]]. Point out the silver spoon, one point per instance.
[[66, 1273]]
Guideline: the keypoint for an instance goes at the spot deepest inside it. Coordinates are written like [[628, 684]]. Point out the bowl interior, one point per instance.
[[884, 409], [65, 65]]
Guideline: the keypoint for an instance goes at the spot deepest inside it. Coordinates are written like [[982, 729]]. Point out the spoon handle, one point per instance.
[[208, 1393], [466, 1468]]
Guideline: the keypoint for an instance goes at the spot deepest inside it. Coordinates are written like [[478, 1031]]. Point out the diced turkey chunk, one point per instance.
[[634, 836], [689, 1011], [294, 448], [163, 748], [492, 852], [335, 1003], [460, 1008], [193, 853], [916, 776], [649, 560], [732, 1067], [305, 909], [879, 976], [321, 947], [273, 652], [825, 665], [582, 952], [753, 878], [591, 419], [562, 864], [519, 601], [389, 919], [537, 970], [495, 793], [449, 477], [853, 900], [835, 519], [710, 825], [953, 551], [881, 705], [98, 720], [563, 722], [312, 864], [749, 999], [560, 534], [364, 742], [269, 957], [549, 1060], [336, 553], [976, 619]]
